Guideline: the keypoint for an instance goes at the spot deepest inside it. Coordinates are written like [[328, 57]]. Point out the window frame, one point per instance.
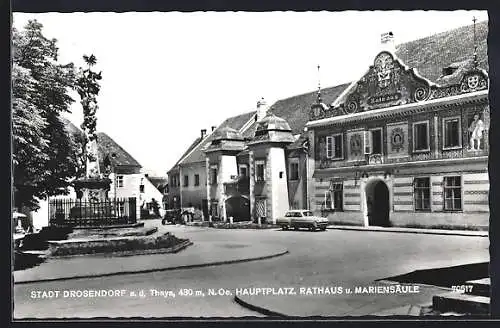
[[257, 163], [264, 200], [381, 141], [120, 180], [421, 188], [445, 119], [196, 180], [214, 209], [461, 186], [185, 181], [213, 178], [290, 166], [426, 122], [329, 197], [330, 140], [243, 166]]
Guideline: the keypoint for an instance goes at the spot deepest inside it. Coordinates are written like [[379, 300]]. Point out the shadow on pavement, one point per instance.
[[23, 261], [444, 277]]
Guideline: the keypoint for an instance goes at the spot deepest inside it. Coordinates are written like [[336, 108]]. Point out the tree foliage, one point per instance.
[[44, 153]]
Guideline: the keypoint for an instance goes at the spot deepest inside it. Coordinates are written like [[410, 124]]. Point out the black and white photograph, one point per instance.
[[250, 165]]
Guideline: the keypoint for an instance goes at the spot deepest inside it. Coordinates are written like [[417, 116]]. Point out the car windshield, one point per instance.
[[307, 213], [289, 214]]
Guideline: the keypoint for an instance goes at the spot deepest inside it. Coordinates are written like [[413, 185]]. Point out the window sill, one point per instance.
[[453, 211], [420, 151], [452, 148], [331, 210], [335, 159]]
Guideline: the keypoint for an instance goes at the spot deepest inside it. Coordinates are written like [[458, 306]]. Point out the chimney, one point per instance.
[[387, 42], [203, 133], [213, 128], [261, 109]]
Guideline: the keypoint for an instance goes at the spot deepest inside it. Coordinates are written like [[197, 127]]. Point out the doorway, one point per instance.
[[378, 203], [239, 208]]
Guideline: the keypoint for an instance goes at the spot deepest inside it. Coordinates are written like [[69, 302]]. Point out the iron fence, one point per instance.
[[76, 212]]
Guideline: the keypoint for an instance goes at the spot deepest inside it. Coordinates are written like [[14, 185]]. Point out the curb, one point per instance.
[[259, 309], [415, 231], [188, 266]]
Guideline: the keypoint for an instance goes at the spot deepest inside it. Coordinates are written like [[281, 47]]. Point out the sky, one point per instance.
[[168, 75]]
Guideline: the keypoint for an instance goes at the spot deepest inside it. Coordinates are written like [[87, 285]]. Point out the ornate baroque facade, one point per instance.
[[401, 150]]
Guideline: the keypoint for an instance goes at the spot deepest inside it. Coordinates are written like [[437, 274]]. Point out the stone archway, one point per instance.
[[238, 207], [377, 203]]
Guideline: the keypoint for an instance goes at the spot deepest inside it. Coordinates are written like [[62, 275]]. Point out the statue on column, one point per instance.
[[93, 185]]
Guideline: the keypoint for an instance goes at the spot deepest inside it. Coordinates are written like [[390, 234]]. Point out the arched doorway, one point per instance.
[[378, 203], [239, 208]]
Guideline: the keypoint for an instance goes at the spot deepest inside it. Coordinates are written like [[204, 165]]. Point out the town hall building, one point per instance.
[[406, 144]]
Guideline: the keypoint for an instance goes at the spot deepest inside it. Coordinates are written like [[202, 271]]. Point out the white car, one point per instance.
[[302, 219]]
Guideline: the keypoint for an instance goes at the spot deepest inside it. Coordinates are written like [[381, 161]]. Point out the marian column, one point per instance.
[[93, 187]]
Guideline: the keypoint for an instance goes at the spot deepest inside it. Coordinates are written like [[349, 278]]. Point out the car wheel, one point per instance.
[[284, 227], [323, 228]]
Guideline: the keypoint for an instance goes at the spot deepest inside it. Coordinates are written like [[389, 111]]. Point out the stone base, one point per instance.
[[113, 245], [111, 232]]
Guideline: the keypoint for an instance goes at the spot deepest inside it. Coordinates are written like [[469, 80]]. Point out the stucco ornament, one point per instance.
[[473, 81], [384, 65], [397, 139]]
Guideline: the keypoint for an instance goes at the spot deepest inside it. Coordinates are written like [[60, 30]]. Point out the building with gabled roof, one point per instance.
[[127, 178], [431, 72]]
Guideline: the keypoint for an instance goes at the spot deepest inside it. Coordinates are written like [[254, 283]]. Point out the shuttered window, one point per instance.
[[334, 147]]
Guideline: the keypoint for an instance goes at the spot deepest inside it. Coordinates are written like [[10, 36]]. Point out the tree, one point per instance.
[[44, 154]]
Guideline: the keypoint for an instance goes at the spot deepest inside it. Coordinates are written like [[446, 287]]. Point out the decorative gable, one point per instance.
[[389, 83]]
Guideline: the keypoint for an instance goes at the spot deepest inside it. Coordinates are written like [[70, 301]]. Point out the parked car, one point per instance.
[[297, 219]]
